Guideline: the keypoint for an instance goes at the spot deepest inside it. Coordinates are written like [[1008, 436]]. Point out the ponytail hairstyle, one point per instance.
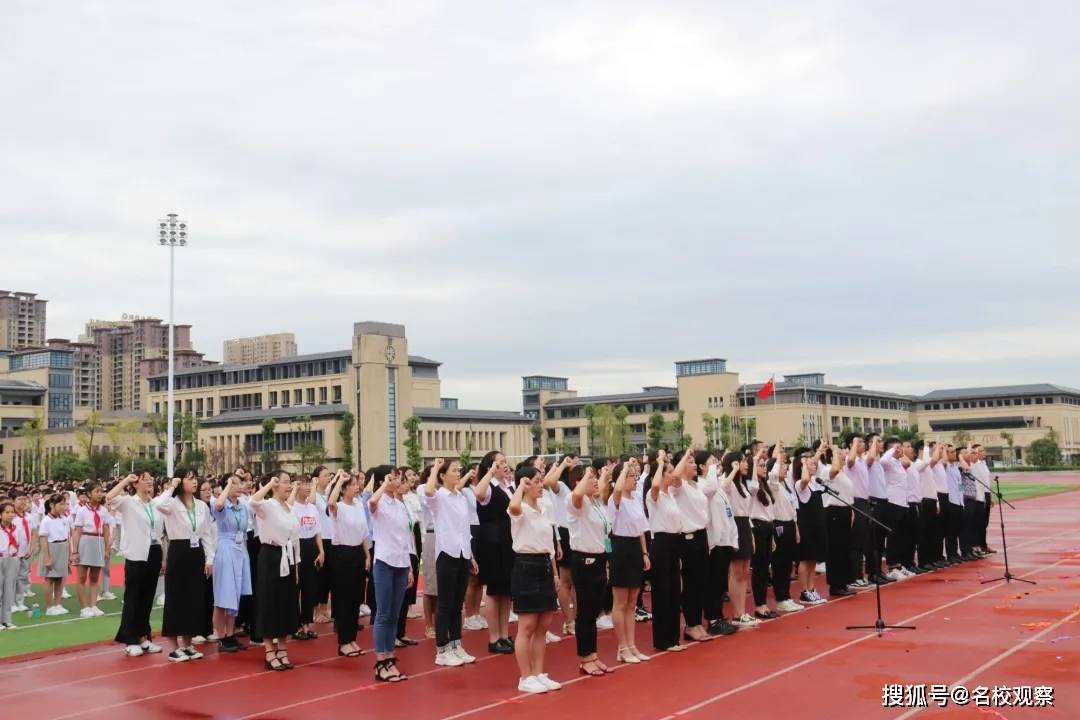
[[701, 457], [485, 464], [378, 475], [730, 462], [764, 493]]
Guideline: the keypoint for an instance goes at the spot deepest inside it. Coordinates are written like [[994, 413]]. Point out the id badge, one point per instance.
[[590, 561], [239, 537], [194, 542], [779, 530], [688, 536], [728, 511]]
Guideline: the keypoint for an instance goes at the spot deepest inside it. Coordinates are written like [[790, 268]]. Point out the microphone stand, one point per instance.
[[879, 624], [1008, 576]]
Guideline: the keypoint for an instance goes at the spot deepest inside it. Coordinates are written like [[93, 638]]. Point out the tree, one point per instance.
[[1045, 452], [67, 466], [124, 437], [1010, 441], [310, 450], [160, 425], [654, 438], [800, 440], [414, 455], [348, 422], [909, 434], [536, 429], [269, 439], [961, 438], [678, 427], [590, 414], [154, 466], [84, 433], [621, 429], [465, 458], [708, 429], [33, 431], [727, 432]]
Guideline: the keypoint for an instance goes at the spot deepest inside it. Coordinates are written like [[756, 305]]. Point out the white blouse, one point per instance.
[[722, 530], [280, 527], [532, 531], [450, 513], [628, 517], [740, 505], [350, 524], [141, 523], [184, 524], [664, 515], [758, 511], [308, 515], [589, 526], [326, 523], [55, 529], [392, 532], [693, 507]]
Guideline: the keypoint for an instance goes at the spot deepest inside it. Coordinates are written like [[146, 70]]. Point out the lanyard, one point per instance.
[[604, 519], [239, 517], [149, 510], [191, 516]]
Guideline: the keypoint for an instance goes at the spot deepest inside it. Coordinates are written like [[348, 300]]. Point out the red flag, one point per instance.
[[767, 389]]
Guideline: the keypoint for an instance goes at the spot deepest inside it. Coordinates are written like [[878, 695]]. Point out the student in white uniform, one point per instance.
[[26, 520], [839, 521], [321, 479], [312, 555], [351, 559], [532, 581], [189, 561], [557, 493], [407, 494], [391, 571], [54, 537], [140, 544], [665, 524], [277, 615], [12, 546], [762, 503], [628, 558], [723, 537], [693, 548], [92, 541], [735, 476], [785, 532], [589, 542]]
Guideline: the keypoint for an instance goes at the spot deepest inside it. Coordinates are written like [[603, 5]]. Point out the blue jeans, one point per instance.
[[390, 583]]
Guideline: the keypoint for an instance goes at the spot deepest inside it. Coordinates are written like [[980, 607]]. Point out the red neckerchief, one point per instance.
[[12, 540], [25, 525], [97, 518]]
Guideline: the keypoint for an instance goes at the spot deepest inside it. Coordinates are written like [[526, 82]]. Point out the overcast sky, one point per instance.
[[886, 192]]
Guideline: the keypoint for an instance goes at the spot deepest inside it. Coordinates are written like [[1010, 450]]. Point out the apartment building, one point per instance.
[[259, 349], [22, 320]]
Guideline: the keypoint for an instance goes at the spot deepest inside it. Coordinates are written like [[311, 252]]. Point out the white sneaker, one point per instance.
[[459, 651], [550, 638], [907, 572], [548, 682], [604, 622], [86, 613], [192, 653], [789, 606], [64, 594], [471, 624], [54, 610], [150, 648], [481, 621], [895, 574], [160, 600], [212, 638], [98, 612], [61, 610], [365, 610], [198, 640], [19, 608], [449, 658], [133, 651], [819, 568], [178, 656], [513, 618], [106, 596], [746, 620], [531, 685], [11, 626]]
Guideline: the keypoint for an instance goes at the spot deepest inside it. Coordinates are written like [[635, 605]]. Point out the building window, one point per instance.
[[298, 397], [273, 398], [322, 396], [337, 394], [391, 411], [310, 396], [209, 406]]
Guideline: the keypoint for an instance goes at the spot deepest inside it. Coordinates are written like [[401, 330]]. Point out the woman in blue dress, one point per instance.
[[232, 567]]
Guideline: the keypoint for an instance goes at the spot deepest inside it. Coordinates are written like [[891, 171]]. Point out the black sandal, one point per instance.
[[273, 663], [284, 661], [382, 671]]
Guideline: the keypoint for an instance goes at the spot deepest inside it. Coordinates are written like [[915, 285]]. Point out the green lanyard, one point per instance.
[[191, 516], [149, 510], [603, 518]]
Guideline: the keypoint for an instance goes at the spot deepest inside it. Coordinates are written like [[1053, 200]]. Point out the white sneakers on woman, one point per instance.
[[789, 605], [537, 684], [746, 620]]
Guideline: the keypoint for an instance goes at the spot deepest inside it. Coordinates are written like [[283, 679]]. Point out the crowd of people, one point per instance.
[[265, 560]]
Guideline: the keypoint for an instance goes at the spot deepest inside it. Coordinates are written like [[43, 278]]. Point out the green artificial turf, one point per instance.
[[1021, 490]]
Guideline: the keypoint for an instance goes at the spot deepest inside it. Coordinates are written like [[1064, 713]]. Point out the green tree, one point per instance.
[[267, 457], [348, 422], [621, 429], [654, 437], [85, 432], [33, 431], [67, 466], [536, 430], [1010, 442], [909, 434], [1045, 452], [414, 455], [961, 438], [727, 432], [465, 458], [154, 466], [678, 428], [708, 429], [590, 415], [310, 450], [800, 440]]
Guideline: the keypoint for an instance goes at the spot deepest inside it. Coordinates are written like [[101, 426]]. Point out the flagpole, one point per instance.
[[743, 420]]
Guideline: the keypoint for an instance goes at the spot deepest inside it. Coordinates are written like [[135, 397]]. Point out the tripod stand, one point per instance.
[[879, 624], [1008, 576]]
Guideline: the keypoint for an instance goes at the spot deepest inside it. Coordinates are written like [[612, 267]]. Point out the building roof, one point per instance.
[[311, 357], [462, 415], [249, 416], [752, 388], [652, 393], [23, 385], [982, 423], [997, 391]]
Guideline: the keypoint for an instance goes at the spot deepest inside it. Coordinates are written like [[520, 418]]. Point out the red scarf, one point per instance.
[[97, 518], [12, 540], [25, 526]]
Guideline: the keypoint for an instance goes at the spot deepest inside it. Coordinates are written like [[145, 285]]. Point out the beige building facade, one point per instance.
[[22, 320], [259, 349]]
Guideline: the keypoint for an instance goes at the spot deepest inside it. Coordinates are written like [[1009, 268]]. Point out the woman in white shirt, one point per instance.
[[54, 537], [91, 541], [277, 614], [140, 544], [532, 579], [188, 562], [407, 494], [391, 571], [321, 478], [785, 534], [351, 559], [557, 493], [666, 524], [762, 505], [736, 471], [590, 542], [723, 536], [312, 555], [693, 547], [206, 494]]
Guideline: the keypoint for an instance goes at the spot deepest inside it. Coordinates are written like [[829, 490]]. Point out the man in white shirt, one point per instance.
[[982, 472], [894, 466]]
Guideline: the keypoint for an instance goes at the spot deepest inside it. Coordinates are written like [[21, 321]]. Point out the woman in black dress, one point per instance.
[[277, 616], [494, 547]]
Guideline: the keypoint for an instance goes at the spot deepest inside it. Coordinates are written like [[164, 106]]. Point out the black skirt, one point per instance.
[[627, 566], [812, 532], [277, 614], [746, 539], [495, 560], [567, 560], [185, 591], [532, 584]]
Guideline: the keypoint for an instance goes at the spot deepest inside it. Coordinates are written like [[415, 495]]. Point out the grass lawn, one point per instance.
[[1020, 490]]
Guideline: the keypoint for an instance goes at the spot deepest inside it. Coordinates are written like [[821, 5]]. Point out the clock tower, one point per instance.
[[383, 379]]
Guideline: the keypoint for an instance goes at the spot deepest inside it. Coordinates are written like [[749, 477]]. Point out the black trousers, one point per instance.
[[325, 574], [875, 536], [838, 549], [954, 528], [665, 590], [589, 573], [911, 534], [410, 596], [783, 557], [349, 574], [716, 584], [368, 594], [969, 532], [309, 579], [859, 530], [140, 582], [760, 562], [452, 579], [928, 548], [895, 518], [941, 526], [694, 556], [987, 502]]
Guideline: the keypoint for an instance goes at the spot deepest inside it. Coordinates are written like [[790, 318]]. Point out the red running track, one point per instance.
[[805, 664]]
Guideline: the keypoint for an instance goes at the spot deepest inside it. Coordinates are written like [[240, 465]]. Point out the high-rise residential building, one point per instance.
[[22, 320], [259, 349]]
